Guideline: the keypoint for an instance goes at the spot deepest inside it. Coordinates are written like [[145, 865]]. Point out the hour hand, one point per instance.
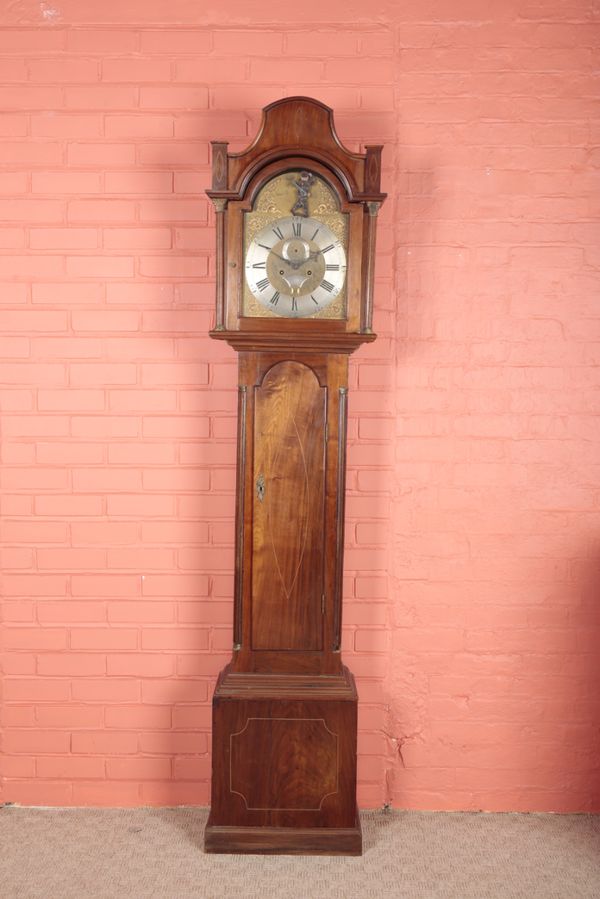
[[277, 256]]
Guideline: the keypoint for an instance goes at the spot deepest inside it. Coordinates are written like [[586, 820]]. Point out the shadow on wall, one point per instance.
[[187, 401]]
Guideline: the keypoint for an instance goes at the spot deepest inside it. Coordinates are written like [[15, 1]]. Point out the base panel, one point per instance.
[[284, 840], [284, 765]]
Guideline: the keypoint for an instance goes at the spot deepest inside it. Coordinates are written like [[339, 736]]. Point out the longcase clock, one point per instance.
[[295, 216]]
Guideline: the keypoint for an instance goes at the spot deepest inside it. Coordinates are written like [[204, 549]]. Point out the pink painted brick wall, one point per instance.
[[472, 575]]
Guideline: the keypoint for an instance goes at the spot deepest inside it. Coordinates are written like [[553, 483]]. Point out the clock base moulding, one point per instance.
[[284, 841]]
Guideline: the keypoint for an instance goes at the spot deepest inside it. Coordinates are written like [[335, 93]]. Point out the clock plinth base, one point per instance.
[[284, 765], [284, 840]]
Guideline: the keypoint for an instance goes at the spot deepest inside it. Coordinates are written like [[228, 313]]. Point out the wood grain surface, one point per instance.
[[288, 520]]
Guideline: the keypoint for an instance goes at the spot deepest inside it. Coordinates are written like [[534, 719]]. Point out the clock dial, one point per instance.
[[295, 267], [295, 247]]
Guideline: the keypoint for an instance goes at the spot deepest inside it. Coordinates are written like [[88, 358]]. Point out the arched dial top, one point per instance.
[[295, 215], [295, 249], [289, 125]]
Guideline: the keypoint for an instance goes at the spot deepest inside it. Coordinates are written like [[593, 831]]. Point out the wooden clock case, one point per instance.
[[285, 708]]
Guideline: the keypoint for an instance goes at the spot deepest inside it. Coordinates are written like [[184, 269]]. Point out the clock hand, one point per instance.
[[288, 262], [291, 262], [273, 253]]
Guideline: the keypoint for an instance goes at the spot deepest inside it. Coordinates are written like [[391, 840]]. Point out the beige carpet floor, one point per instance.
[[152, 853]]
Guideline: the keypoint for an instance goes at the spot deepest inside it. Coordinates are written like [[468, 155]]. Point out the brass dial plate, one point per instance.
[[295, 194]]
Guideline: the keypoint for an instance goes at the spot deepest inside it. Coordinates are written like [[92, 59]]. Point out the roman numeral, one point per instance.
[[263, 284], [262, 265], [327, 249], [265, 247], [332, 268], [278, 232], [297, 229], [326, 285], [294, 304], [315, 234], [275, 298], [316, 302]]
